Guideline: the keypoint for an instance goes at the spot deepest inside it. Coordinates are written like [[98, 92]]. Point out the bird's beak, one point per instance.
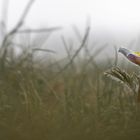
[[124, 51], [119, 50]]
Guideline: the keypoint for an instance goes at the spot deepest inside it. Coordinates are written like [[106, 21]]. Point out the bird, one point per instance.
[[132, 56]]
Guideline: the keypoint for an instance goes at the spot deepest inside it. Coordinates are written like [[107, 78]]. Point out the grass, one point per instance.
[[75, 97], [66, 101]]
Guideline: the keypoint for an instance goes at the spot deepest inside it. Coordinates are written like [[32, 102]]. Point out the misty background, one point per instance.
[[112, 22], [61, 76]]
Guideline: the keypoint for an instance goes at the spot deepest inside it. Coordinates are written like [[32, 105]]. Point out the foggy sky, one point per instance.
[[118, 20], [109, 14]]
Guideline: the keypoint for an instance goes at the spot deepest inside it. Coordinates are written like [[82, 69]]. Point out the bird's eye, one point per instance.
[[131, 57]]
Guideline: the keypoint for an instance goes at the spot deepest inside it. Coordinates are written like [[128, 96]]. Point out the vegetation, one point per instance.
[[70, 98]]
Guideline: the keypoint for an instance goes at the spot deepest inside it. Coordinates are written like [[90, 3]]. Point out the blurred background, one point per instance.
[[61, 77], [111, 21]]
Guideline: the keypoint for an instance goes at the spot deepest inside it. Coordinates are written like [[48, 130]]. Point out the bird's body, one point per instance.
[[131, 55]]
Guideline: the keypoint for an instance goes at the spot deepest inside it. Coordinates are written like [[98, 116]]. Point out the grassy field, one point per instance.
[[66, 99], [76, 97]]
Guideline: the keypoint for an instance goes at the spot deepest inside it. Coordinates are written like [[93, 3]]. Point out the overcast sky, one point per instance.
[[112, 16]]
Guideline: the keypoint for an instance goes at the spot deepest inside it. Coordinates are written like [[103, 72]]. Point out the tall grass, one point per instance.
[[64, 99]]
